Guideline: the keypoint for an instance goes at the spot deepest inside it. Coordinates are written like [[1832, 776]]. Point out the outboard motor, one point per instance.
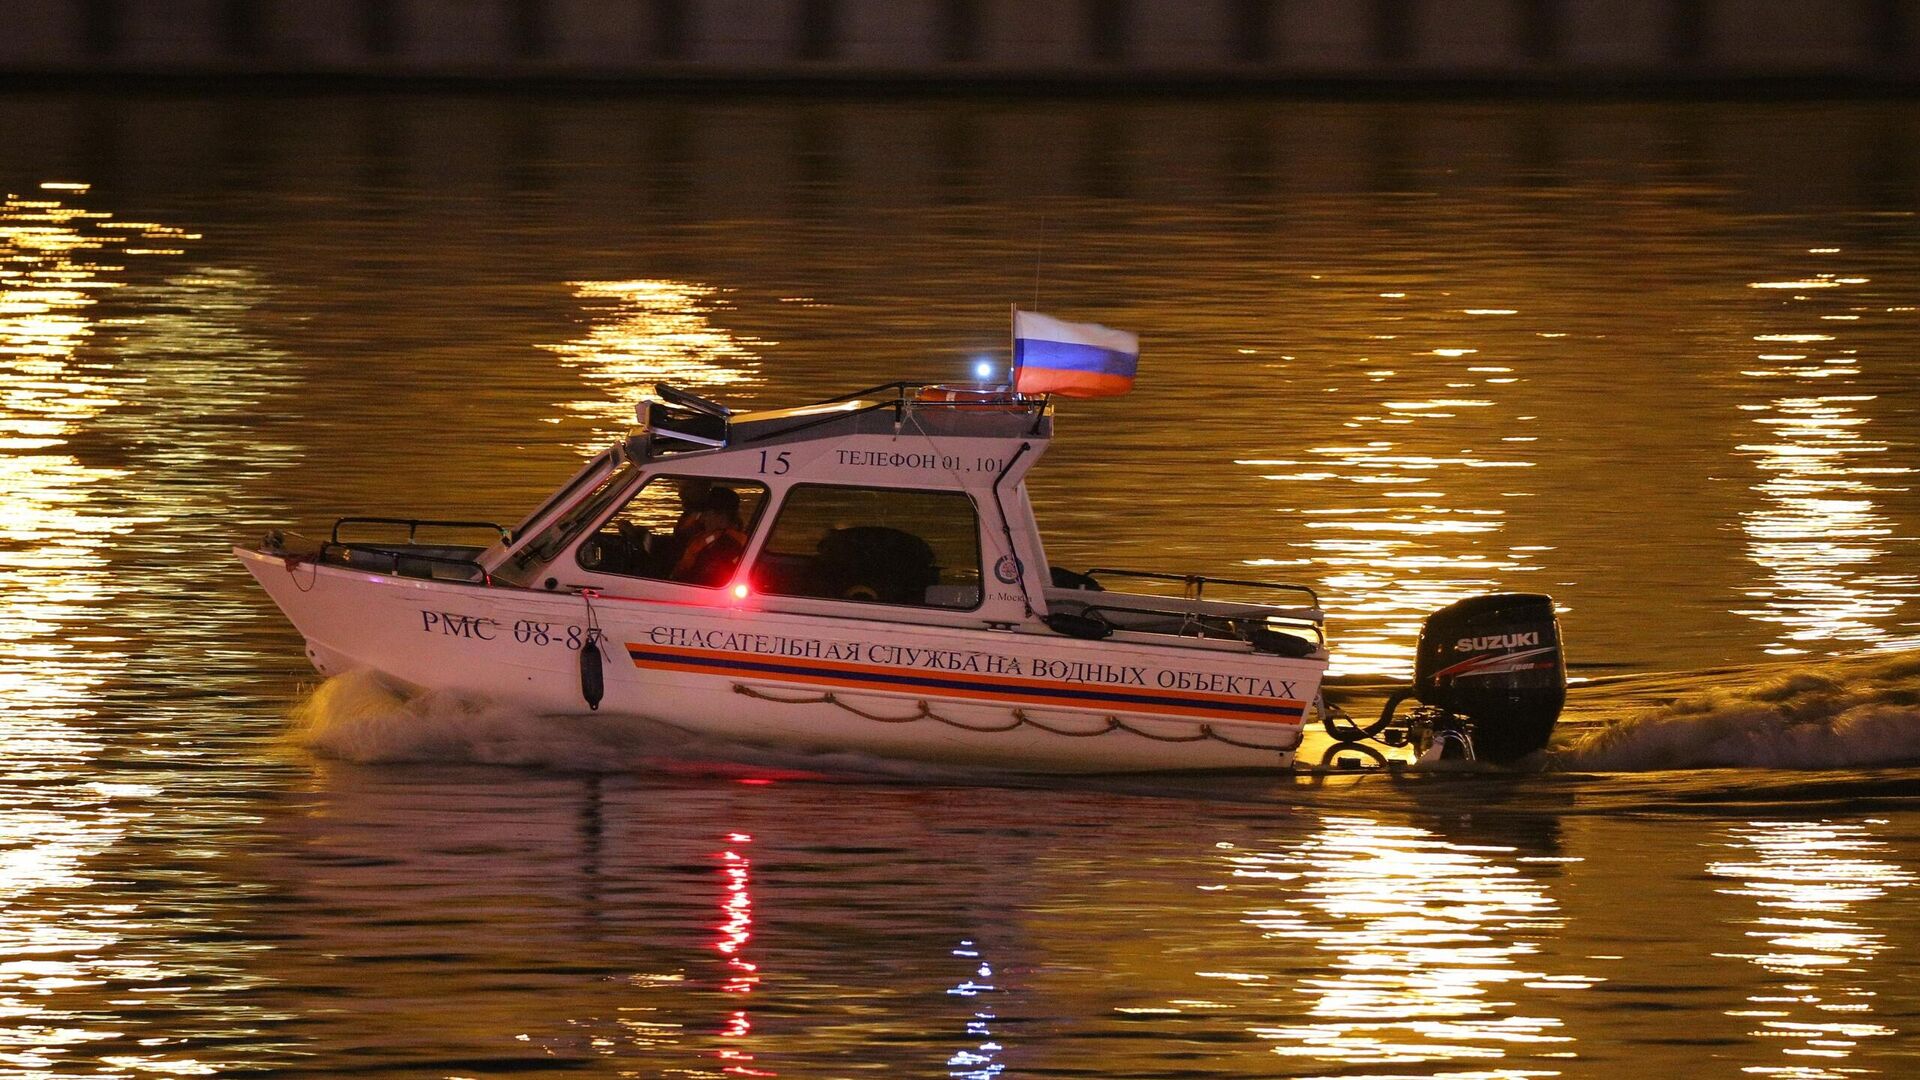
[[1491, 665]]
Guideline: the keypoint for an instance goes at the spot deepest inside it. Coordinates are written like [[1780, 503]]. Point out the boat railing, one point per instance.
[[411, 557], [700, 422], [414, 525], [906, 392], [1267, 633], [1195, 585], [410, 561]]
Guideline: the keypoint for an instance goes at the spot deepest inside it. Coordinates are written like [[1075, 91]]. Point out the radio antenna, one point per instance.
[[1039, 249]]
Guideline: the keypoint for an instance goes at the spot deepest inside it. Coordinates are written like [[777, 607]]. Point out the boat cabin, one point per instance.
[[900, 503], [912, 505]]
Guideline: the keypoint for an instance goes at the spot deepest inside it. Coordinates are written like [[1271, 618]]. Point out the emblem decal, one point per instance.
[[1007, 569], [1496, 641]]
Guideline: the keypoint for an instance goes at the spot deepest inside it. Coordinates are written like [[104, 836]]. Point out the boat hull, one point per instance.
[[805, 684]]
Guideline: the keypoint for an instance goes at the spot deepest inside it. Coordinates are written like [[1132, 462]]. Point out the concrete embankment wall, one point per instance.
[[1868, 43]]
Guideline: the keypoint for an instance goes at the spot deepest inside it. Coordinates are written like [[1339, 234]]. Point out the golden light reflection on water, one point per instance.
[[1404, 520], [979, 1059], [1820, 537], [54, 526], [51, 528], [1427, 942], [650, 331], [1810, 879], [49, 534]]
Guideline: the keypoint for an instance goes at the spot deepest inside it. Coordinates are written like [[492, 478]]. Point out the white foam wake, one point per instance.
[[1839, 715], [361, 717]]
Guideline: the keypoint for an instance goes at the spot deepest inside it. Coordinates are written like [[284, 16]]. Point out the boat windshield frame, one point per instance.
[[590, 471], [587, 510]]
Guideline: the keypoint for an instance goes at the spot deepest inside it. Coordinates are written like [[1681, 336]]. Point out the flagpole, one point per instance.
[[1013, 347]]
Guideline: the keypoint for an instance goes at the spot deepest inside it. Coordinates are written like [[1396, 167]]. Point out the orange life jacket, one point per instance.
[[690, 556]]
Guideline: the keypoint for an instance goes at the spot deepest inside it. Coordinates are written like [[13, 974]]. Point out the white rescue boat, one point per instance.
[[864, 574]]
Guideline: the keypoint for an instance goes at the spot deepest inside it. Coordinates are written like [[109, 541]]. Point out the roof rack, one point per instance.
[[681, 420], [906, 394]]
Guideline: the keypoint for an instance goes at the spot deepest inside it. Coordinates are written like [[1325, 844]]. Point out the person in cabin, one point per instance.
[[663, 551], [715, 540]]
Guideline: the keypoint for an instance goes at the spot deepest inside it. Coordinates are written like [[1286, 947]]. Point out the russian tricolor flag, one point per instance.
[[1071, 359]]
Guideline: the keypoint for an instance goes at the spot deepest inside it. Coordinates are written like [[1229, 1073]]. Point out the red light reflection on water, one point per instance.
[[736, 929]]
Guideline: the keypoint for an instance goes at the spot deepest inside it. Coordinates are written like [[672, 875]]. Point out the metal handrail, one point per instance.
[[415, 524], [899, 396], [899, 388], [1196, 583], [899, 401], [396, 554], [1228, 623], [898, 404], [817, 421]]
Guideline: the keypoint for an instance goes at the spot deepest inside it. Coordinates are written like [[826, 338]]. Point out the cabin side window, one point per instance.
[[879, 545], [689, 529]]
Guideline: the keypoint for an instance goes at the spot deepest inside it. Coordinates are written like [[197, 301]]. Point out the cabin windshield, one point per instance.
[[581, 479], [588, 507]]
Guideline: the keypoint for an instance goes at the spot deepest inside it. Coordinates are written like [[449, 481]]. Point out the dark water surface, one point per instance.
[[1658, 360]]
